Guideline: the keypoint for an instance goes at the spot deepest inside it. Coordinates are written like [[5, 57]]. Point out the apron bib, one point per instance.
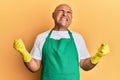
[[60, 59]]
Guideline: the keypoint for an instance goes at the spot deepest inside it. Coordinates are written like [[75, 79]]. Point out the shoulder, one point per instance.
[[42, 36], [76, 35]]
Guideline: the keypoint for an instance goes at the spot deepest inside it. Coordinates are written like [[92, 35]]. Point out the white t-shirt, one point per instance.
[[36, 51]]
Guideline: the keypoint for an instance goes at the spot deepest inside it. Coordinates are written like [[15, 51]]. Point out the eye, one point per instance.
[[69, 12]]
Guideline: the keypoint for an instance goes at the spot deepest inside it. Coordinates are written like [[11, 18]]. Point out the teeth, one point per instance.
[[64, 19]]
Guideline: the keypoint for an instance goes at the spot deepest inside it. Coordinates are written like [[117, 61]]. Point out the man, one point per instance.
[[60, 51]]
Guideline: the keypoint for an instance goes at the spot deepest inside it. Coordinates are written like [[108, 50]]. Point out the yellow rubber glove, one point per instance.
[[20, 47], [102, 51]]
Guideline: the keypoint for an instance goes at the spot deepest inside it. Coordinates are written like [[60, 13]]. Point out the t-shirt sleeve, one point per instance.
[[35, 52], [81, 47]]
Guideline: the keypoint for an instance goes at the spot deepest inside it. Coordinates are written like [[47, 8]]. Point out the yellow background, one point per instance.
[[97, 20]]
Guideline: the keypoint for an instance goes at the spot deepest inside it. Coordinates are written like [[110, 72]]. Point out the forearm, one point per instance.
[[33, 65], [86, 64], [89, 63]]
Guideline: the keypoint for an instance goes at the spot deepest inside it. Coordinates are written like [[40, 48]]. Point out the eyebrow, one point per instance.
[[64, 10]]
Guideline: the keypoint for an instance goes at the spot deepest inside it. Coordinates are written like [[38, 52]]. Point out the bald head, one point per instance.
[[63, 5], [62, 16]]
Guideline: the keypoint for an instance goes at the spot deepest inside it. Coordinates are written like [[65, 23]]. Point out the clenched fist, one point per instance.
[[102, 51], [20, 47]]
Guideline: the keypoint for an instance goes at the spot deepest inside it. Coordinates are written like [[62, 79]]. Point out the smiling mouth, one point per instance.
[[64, 19]]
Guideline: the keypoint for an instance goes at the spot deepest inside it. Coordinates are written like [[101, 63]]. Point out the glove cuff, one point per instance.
[[26, 56], [95, 59]]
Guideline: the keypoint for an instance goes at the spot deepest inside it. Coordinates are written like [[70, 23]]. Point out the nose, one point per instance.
[[64, 13]]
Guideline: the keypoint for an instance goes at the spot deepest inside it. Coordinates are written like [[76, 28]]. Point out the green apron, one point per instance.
[[60, 59]]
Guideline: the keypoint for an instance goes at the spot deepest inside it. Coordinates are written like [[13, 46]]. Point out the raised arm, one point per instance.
[[89, 63], [32, 64]]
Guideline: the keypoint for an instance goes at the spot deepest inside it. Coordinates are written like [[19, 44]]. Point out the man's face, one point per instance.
[[62, 16]]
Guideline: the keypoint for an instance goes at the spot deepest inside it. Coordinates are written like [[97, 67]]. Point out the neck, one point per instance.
[[60, 28]]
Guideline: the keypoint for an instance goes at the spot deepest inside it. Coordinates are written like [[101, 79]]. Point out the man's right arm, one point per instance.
[[32, 64]]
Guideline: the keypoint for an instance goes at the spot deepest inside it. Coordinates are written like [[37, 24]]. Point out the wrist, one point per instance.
[[26, 56], [95, 59], [99, 54]]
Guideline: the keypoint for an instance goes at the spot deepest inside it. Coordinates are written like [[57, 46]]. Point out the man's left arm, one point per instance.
[[89, 63]]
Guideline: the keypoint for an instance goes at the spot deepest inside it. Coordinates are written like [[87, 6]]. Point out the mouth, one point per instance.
[[64, 19]]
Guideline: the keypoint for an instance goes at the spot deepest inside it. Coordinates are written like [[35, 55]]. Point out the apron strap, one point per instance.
[[70, 33], [49, 34]]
